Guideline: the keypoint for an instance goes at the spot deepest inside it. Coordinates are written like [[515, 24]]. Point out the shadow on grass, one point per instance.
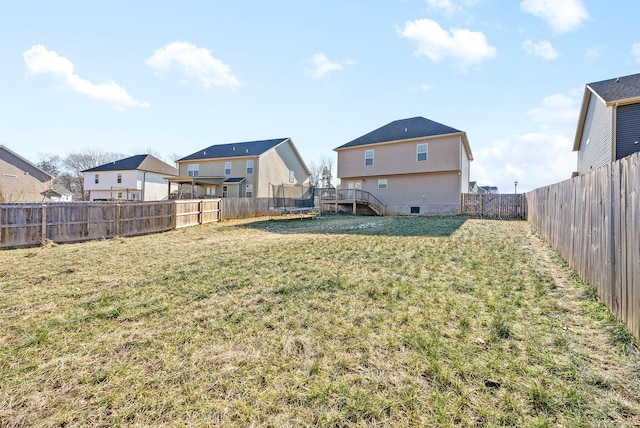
[[337, 224]]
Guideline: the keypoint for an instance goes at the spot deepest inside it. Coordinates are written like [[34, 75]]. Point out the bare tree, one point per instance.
[[326, 164], [316, 174]]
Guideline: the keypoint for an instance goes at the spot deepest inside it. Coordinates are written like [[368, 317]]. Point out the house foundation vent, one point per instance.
[[415, 210]]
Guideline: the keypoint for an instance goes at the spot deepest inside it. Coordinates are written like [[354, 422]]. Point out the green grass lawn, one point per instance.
[[337, 321]]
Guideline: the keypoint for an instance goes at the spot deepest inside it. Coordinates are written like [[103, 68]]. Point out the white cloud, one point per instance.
[[425, 86], [467, 48], [562, 16], [194, 62], [451, 7], [543, 49], [323, 66], [41, 60], [635, 51], [534, 159]]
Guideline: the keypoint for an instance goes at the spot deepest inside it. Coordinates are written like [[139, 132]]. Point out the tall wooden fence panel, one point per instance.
[[495, 205], [594, 222], [236, 208], [32, 224]]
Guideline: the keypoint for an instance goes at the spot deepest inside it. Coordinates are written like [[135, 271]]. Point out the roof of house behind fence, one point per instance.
[[617, 89], [232, 150], [138, 162], [403, 129]]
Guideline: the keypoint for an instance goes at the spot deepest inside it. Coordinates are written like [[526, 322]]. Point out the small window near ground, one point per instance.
[[224, 191], [227, 168], [415, 210], [119, 195], [368, 157], [382, 183], [249, 192], [422, 152]]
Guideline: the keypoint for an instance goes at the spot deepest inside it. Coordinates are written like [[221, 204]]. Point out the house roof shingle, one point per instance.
[[147, 163], [232, 150], [617, 89], [403, 129]]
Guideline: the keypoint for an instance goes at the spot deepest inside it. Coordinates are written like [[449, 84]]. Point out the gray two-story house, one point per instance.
[[609, 122]]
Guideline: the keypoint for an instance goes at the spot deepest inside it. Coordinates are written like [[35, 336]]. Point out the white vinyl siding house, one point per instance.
[[136, 178]]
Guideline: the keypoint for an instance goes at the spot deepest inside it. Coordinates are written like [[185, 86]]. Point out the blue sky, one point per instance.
[[177, 77]]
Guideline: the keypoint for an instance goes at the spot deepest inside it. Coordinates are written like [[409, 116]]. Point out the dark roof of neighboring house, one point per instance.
[[617, 89], [232, 150], [147, 163], [234, 180], [403, 129]]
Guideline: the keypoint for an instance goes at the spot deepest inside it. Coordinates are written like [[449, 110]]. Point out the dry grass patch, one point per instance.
[[336, 321]]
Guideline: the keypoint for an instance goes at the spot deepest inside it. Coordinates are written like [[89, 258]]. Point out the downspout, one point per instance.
[[614, 113], [144, 182]]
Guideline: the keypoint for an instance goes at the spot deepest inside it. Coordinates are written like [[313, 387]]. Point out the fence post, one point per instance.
[[43, 227], [117, 221], [174, 214]]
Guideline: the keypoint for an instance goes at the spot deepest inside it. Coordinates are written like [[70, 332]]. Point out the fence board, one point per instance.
[[594, 222]]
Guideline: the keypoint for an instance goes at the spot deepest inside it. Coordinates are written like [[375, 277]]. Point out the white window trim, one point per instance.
[[426, 152], [193, 169], [366, 157], [249, 162], [227, 167], [380, 183]]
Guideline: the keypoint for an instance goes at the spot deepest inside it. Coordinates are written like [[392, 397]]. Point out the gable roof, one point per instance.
[[232, 150], [147, 163], [22, 163], [403, 129], [620, 89]]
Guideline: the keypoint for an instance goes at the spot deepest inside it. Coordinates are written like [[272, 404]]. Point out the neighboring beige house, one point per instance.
[[414, 166], [22, 181], [136, 178], [244, 170]]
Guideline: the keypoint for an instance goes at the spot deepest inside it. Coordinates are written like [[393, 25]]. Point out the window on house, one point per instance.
[[224, 191], [292, 176], [227, 168], [249, 167], [422, 152], [382, 183], [194, 170], [368, 157], [119, 195], [119, 178], [97, 178], [249, 192]]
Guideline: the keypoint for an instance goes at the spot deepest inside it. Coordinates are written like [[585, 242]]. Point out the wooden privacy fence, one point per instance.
[[235, 208], [594, 222], [32, 224], [495, 205]]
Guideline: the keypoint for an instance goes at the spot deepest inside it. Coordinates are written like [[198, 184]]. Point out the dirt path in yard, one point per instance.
[[587, 335]]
